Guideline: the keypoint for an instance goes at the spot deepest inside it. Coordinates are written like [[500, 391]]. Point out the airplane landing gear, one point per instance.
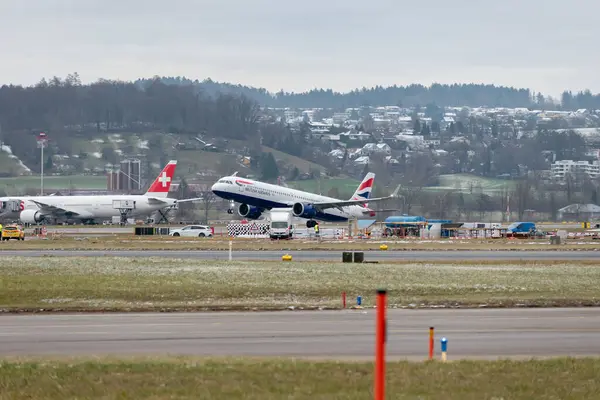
[[231, 206], [311, 223]]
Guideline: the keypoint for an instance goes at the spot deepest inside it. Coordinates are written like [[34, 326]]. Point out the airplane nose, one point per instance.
[[214, 187]]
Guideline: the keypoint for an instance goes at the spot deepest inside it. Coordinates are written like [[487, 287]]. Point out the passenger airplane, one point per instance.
[[256, 197], [35, 209]]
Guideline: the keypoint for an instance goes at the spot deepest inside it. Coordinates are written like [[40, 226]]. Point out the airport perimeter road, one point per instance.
[[324, 334], [324, 255]]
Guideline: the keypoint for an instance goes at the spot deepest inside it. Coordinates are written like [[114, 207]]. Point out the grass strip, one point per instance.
[[261, 379], [163, 284]]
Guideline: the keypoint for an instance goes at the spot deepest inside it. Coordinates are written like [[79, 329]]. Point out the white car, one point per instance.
[[192, 230]]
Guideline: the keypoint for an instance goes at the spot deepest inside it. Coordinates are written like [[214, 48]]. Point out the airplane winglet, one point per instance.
[[395, 192]]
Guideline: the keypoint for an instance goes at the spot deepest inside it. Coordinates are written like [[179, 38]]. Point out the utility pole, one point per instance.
[[42, 140]]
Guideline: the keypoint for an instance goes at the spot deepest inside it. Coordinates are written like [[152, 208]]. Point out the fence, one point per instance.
[[251, 230]]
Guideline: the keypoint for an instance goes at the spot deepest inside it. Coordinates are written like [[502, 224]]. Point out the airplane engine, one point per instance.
[[31, 217], [244, 210], [304, 211]]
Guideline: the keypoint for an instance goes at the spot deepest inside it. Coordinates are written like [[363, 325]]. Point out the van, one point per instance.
[[281, 224]]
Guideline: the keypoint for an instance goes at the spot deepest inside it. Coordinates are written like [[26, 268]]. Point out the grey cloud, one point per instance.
[[546, 45]]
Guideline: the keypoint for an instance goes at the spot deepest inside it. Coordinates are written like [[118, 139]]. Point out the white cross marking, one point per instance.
[[164, 179]]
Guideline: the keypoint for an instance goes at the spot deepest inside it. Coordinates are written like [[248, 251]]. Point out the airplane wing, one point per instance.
[[186, 200], [380, 211], [52, 210], [345, 203], [154, 200]]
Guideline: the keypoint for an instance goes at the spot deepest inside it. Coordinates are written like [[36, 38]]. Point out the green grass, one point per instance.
[[53, 182], [300, 163], [144, 284], [189, 162], [462, 182], [263, 379]]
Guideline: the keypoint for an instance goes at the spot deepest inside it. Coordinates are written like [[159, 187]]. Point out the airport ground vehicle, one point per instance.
[[281, 224], [13, 231], [193, 231]]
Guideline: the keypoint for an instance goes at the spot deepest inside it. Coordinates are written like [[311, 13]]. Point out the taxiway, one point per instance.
[[347, 334]]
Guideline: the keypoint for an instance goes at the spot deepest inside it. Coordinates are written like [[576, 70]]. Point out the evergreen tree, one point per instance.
[[417, 126], [268, 167], [49, 164]]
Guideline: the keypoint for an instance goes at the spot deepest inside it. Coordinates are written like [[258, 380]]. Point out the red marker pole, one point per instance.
[[431, 343], [344, 299], [380, 340]]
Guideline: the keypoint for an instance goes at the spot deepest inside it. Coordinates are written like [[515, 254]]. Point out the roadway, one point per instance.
[[323, 255], [347, 334]]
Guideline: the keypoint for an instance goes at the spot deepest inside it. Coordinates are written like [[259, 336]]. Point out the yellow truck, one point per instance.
[[13, 232]]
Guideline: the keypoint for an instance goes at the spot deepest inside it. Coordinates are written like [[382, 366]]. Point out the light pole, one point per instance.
[[42, 140]]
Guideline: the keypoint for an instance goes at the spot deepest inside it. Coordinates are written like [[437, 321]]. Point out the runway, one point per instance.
[[347, 334], [318, 255]]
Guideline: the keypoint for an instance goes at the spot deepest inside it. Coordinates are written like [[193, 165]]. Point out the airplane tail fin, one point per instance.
[[161, 185], [364, 189]]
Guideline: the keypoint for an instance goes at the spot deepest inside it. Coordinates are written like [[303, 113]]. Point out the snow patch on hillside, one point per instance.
[[7, 149]]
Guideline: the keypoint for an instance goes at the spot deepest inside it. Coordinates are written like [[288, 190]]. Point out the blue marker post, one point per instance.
[[358, 300], [444, 348]]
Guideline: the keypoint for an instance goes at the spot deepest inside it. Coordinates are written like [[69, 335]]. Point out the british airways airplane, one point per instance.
[[256, 197]]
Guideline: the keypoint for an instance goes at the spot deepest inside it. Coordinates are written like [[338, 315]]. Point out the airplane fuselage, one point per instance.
[[267, 196], [91, 207]]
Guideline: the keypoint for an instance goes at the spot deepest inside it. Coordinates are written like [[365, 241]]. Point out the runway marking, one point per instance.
[[295, 333]]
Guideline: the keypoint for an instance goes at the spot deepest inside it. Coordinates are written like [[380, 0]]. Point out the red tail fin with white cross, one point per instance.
[[161, 185]]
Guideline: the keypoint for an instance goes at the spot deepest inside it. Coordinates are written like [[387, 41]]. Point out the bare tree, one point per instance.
[[208, 200], [522, 195], [443, 202]]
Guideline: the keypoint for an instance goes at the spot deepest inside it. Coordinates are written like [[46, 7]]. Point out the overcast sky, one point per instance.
[[545, 45]]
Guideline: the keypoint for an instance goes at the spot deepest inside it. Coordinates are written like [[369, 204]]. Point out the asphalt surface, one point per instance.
[[325, 255], [347, 334]]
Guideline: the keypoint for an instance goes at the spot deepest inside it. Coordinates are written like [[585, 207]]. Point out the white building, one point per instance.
[[563, 167]]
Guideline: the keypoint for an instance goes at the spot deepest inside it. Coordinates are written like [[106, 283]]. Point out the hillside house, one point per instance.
[[376, 148], [353, 135], [362, 160]]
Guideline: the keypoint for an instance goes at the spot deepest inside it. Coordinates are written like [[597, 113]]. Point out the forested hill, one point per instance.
[[473, 95], [405, 96]]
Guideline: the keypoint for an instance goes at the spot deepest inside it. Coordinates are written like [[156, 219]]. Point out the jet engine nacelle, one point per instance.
[[244, 210], [31, 217], [304, 211]]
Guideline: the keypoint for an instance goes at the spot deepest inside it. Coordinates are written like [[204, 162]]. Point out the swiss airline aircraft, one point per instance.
[[256, 197], [35, 209]]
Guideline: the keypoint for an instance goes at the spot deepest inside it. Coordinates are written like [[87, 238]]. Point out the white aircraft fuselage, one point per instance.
[[101, 207], [34, 209]]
